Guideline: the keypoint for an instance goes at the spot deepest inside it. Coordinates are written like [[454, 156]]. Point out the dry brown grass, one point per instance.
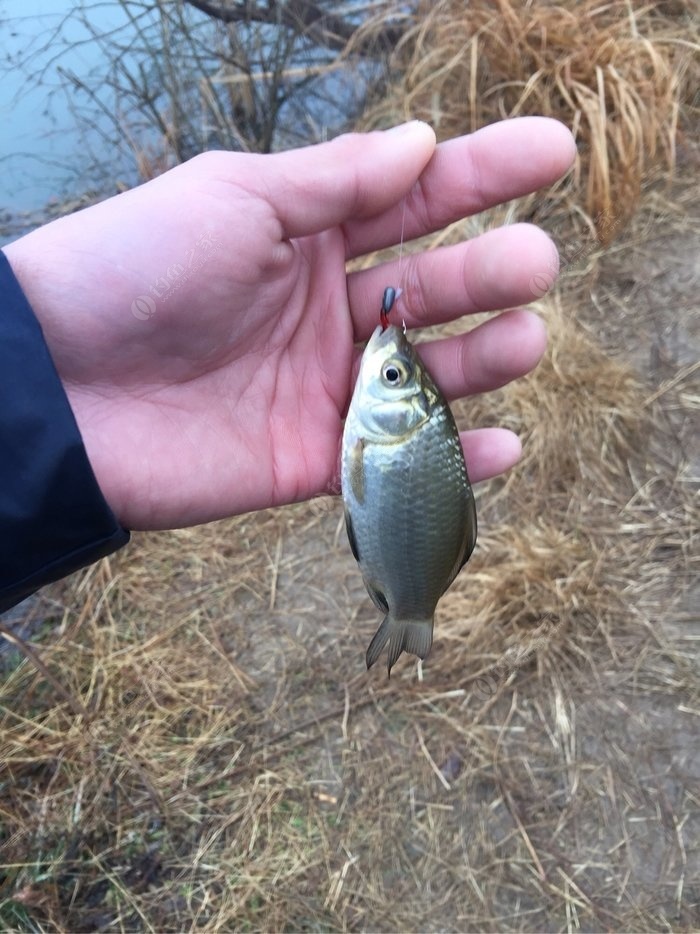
[[617, 73], [194, 743], [217, 757]]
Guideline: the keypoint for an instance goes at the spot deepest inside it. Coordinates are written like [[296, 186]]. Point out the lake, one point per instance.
[[49, 152], [41, 147]]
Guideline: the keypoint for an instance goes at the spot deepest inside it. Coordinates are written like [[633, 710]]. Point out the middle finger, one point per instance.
[[501, 268]]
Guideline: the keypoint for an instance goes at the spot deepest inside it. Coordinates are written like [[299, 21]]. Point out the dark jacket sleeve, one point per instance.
[[53, 516]]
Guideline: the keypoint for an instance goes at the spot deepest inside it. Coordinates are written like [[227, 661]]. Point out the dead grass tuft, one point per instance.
[[619, 74], [589, 524]]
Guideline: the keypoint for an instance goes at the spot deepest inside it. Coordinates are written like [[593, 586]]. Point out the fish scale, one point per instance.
[[408, 502]]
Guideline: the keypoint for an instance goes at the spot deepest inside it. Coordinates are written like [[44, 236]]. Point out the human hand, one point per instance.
[[204, 326]]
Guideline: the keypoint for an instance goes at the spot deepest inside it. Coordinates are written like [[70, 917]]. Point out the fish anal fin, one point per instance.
[[378, 598]]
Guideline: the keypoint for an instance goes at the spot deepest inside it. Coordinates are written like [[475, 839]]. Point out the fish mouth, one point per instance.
[[392, 337]]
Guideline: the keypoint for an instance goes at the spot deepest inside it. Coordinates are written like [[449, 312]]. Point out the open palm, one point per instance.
[[205, 328]]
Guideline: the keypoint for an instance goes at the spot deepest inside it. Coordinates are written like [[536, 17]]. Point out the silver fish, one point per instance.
[[409, 507]]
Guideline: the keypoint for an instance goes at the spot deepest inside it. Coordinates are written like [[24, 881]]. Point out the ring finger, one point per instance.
[[487, 357]]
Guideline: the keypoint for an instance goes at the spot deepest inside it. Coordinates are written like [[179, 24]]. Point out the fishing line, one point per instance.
[[399, 291], [403, 228], [393, 294]]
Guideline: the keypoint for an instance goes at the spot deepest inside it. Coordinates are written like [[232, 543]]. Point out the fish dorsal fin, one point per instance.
[[469, 538], [471, 529]]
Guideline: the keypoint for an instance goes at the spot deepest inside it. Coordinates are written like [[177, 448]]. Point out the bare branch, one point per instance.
[[305, 17]]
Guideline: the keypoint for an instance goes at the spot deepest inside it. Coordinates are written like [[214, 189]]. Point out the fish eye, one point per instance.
[[394, 373]]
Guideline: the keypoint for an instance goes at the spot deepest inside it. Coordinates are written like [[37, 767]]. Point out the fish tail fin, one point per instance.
[[414, 636], [379, 640]]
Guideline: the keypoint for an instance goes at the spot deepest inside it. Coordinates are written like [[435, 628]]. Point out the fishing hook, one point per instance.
[[391, 295]]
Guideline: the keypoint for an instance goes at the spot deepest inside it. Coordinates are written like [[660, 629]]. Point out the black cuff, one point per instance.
[[53, 516]]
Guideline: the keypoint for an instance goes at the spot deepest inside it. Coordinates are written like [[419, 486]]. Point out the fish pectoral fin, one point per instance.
[[413, 636], [356, 473]]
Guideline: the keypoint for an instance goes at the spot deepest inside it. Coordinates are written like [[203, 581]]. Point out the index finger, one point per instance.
[[469, 174], [356, 175]]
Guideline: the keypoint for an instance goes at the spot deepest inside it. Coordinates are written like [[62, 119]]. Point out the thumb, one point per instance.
[[353, 176]]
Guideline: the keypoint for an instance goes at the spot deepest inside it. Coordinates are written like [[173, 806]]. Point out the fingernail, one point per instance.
[[405, 129]]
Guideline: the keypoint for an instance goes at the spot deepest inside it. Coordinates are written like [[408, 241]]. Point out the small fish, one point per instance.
[[409, 507]]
